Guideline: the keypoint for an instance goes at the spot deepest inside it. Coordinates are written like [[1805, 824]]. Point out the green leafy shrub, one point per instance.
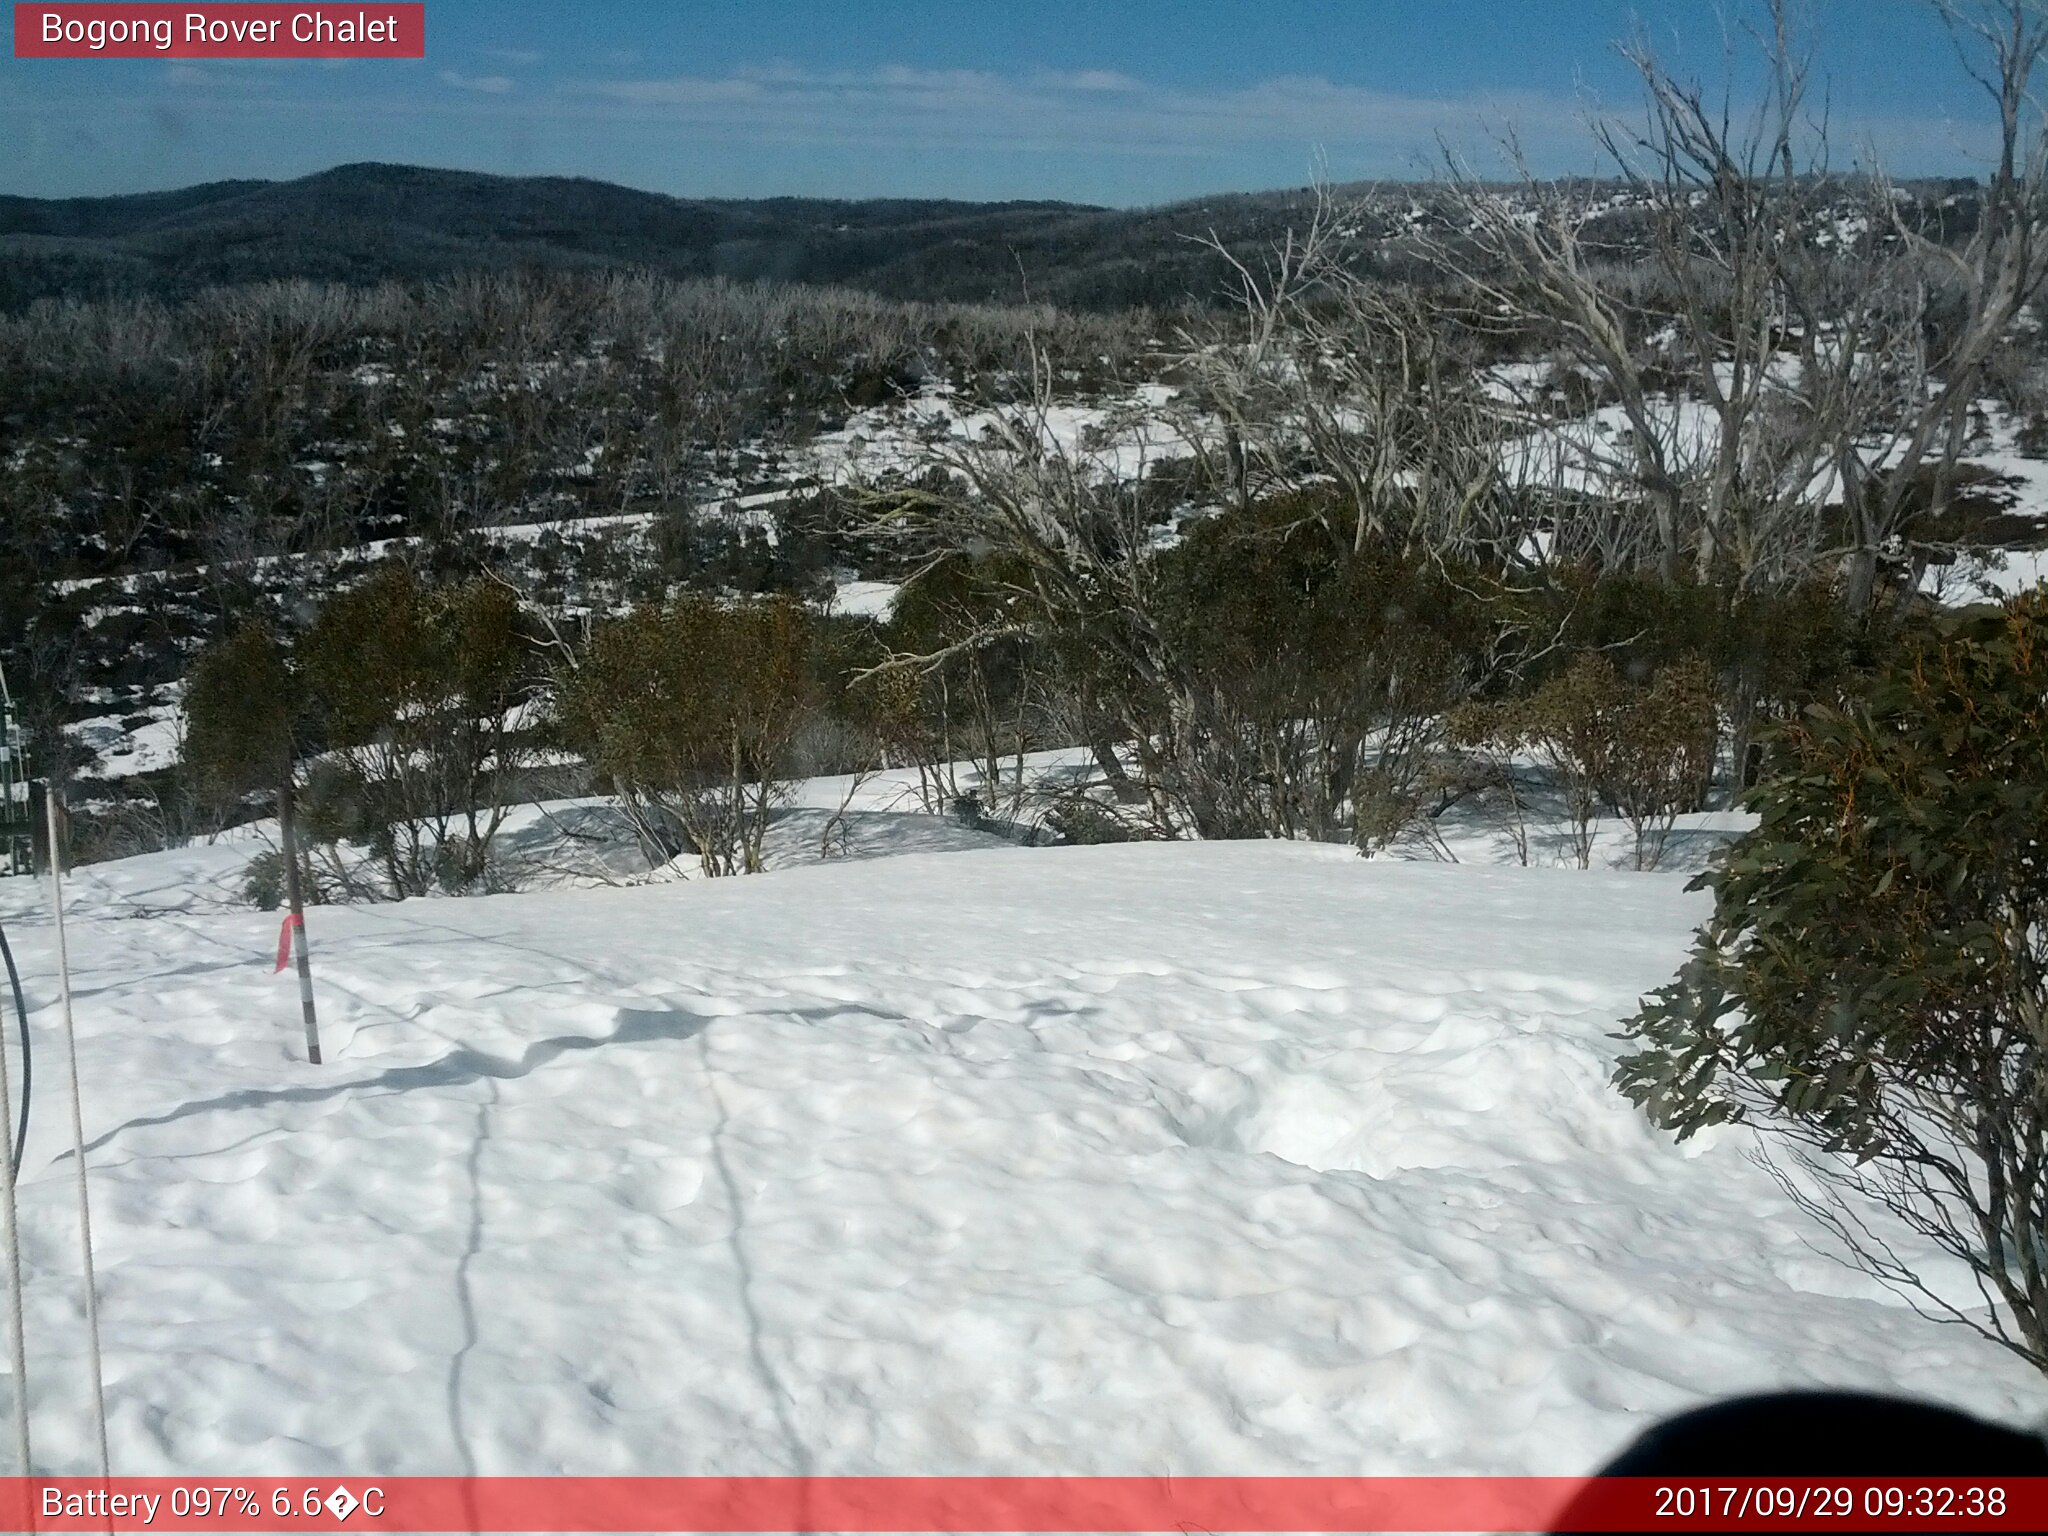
[[1313, 679], [692, 712], [1644, 751], [1768, 650], [239, 707], [1078, 820], [263, 881], [1572, 724], [967, 708], [419, 689], [1663, 755], [1874, 981]]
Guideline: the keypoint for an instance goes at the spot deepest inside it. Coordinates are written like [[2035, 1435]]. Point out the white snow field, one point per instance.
[[1144, 1159]]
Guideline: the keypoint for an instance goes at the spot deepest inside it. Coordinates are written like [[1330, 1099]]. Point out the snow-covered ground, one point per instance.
[[1134, 1159]]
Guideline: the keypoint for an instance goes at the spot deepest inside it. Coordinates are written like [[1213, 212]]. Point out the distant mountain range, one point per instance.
[[363, 223]]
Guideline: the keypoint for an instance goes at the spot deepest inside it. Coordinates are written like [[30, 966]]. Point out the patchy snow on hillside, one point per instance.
[[857, 599], [1977, 576], [143, 740], [1157, 1158], [1590, 455], [1120, 436]]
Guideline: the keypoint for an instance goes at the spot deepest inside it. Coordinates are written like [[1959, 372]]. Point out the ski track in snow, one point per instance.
[[1196, 1159]]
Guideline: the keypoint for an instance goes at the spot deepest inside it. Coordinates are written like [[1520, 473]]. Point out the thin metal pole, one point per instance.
[[92, 1301], [288, 834], [28, 1064], [16, 1342]]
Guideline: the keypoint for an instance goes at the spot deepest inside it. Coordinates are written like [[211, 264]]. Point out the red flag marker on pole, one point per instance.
[[284, 938]]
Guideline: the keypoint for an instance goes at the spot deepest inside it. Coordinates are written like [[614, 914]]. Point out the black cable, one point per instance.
[[20, 1012]]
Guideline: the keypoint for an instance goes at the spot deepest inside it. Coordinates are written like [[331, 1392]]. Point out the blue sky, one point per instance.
[[1126, 102]]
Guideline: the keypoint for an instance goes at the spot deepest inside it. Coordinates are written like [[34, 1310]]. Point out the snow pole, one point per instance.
[[11, 1235], [294, 937], [19, 824], [92, 1300], [20, 1143]]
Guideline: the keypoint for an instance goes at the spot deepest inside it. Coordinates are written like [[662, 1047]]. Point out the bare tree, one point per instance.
[[1786, 360], [1992, 274], [1265, 675], [1329, 377]]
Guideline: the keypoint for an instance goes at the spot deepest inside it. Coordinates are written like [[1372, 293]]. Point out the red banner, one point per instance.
[[1051, 1504], [217, 31], [284, 939]]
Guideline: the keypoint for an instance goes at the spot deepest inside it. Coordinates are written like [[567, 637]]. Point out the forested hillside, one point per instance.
[[369, 223], [365, 223]]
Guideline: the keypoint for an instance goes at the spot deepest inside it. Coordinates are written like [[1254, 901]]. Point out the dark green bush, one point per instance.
[[691, 711], [417, 688], [1078, 820], [240, 701], [263, 882], [1874, 980], [1308, 673]]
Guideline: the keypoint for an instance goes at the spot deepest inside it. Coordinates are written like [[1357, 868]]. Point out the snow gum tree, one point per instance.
[[968, 705], [1871, 986], [418, 689], [238, 713], [1643, 749], [243, 716], [693, 712]]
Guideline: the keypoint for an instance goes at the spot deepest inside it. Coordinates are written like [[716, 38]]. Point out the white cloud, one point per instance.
[[684, 92], [1356, 131], [901, 104], [492, 85], [1090, 80]]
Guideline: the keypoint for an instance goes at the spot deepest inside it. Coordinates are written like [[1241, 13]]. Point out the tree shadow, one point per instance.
[[779, 1396], [465, 1300], [637, 1026]]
